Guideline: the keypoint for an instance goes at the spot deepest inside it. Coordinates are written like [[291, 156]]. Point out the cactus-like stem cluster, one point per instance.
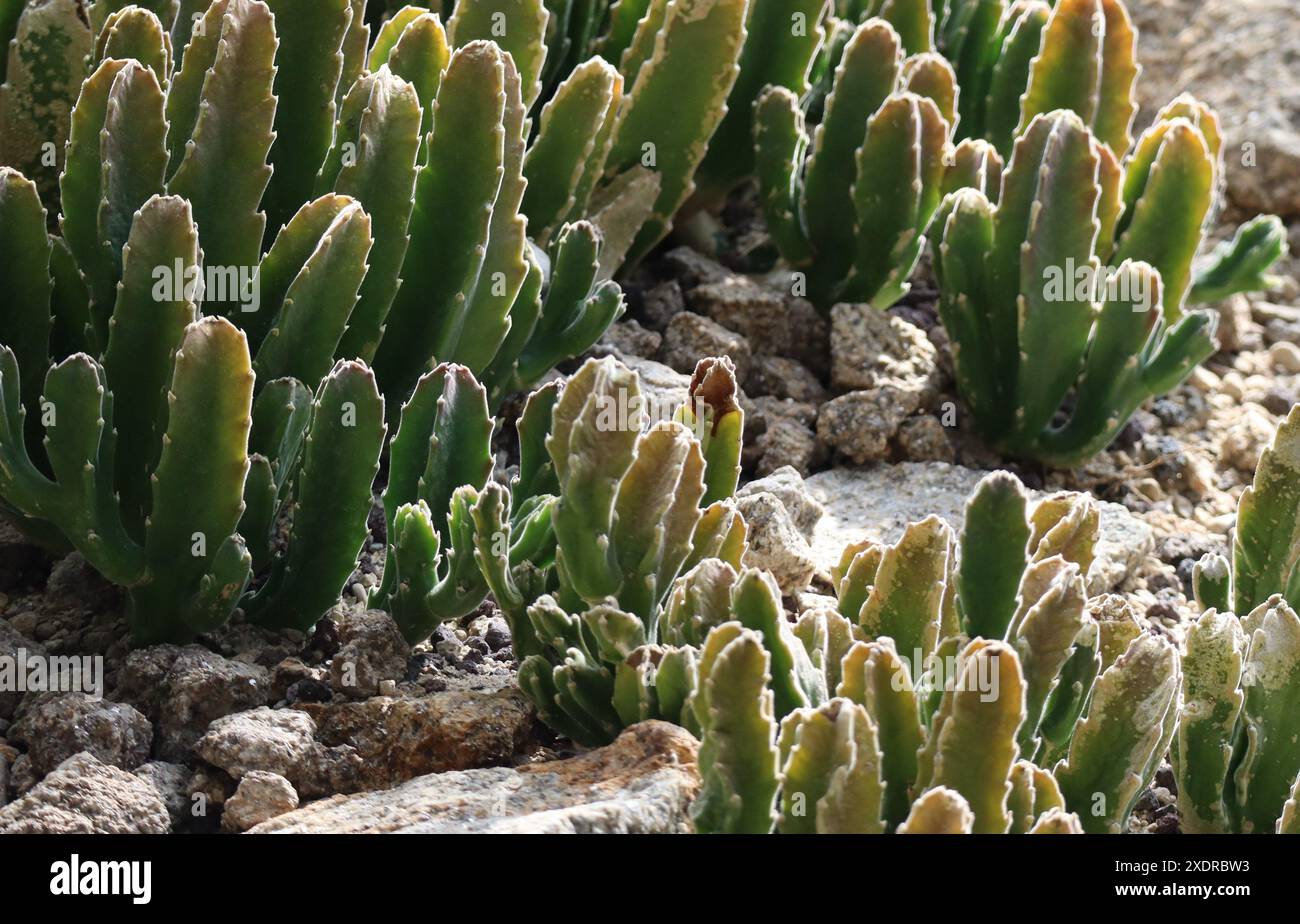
[[849, 207], [960, 687], [1036, 309]]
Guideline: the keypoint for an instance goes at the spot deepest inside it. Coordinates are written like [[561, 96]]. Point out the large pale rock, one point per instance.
[[397, 739], [327, 748], [642, 783], [878, 504], [84, 796]]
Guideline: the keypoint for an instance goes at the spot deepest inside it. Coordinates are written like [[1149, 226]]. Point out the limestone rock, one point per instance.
[[259, 797], [878, 503], [85, 796], [642, 783]]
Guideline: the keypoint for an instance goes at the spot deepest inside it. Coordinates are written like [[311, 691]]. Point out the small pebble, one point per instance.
[[388, 688], [1285, 357]]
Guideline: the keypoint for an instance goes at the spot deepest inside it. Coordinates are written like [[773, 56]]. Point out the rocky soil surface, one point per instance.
[[853, 429]]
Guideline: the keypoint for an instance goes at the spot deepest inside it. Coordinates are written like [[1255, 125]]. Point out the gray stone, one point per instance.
[[85, 796], [693, 268], [775, 542], [788, 486], [773, 322], [4, 780], [782, 377], [871, 349], [280, 741], [628, 338], [786, 443], [879, 502], [63, 724], [924, 439], [661, 303], [690, 337], [642, 783], [182, 690], [372, 650], [172, 782], [259, 797], [860, 424], [12, 643]]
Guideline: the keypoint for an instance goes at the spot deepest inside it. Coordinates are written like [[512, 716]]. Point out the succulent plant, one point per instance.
[[1266, 544], [46, 46], [440, 457], [1236, 756], [958, 687], [625, 520], [782, 39], [144, 466], [852, 216], [1035, 317]]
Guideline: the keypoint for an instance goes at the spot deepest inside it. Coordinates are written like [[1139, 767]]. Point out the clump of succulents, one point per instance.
[[1236, 756], [959, 686], [849, 207], [634, 504], [138, 454]]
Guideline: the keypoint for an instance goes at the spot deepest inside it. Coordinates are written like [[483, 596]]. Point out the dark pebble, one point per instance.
[[498, 634], [474, 643], [308, 691]]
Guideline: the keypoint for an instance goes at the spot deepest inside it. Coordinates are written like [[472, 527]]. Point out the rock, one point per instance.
[[879, 502], [860, 425], [1285, 357], [398, 739], [1237, 57], [1241, 445], [690, 337], [924, 439], [628, 338], [782, 377], [373, 650], [1237, 330], [84, 796], [21, 775], [497, 634], [21, 560], [642, 783], [259, 797], [4, 781], [694, 269], [775, 542], [63, 724], [871, 349], [14, 647], [326, 748], [662, 303], [787, 485], [172, 783], [664, 389], [773, 322], [281, 741], [786, 443], [182, 690]]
